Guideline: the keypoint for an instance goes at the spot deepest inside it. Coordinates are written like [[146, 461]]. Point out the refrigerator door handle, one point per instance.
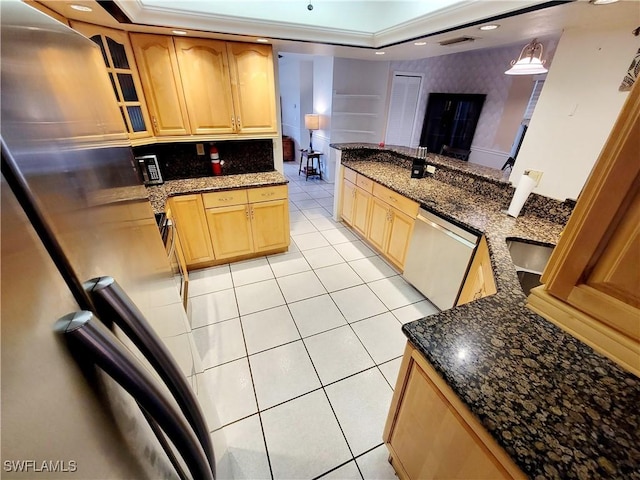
[[113, 305], [107, 352]]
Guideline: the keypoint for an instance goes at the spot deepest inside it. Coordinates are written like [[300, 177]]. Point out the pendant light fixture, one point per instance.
[[530, 61]]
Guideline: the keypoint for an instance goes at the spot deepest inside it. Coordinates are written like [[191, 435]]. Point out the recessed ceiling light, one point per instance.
[[602, 2], [489, 27], [179, 32], [379, 53], [419, 43], [82, 8], [262, 40]]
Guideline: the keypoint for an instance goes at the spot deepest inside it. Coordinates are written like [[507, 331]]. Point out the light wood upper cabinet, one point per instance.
[[592, 281], [198, 86], [253, 87], [121, 68], [162, 83], [204, 69]]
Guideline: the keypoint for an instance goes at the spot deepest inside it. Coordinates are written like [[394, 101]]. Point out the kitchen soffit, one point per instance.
[[517, 29], [355, 23]]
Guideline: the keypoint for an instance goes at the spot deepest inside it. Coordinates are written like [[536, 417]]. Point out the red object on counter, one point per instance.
[[216, 165]]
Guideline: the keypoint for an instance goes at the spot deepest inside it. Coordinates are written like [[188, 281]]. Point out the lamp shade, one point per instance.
[[312, 121], [529, 62]]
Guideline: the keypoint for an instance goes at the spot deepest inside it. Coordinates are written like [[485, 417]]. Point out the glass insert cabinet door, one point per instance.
[[119, 64]]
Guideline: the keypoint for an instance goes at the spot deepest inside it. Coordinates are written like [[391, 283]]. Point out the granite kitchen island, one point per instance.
[[556, 406]]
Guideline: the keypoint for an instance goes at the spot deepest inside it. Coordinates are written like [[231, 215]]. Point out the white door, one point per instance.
[[403, 106]]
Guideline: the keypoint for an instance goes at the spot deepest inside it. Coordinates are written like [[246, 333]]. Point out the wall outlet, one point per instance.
[[431, 169], [200, 148], [535, 174]]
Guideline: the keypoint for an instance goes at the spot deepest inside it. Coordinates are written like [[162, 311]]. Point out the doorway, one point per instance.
[[403, 105]]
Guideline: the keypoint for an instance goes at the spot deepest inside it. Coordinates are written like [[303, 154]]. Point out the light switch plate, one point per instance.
[[200, 148]]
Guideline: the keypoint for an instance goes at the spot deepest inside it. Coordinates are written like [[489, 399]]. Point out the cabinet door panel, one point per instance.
[[429, 435], [348, 200], [204, 70], [479, 281], [161, 82], [378, 224], [123, 73], [230, 230], [400, 231], [253, 87], [188, 213], [270, 222], [361, 206]]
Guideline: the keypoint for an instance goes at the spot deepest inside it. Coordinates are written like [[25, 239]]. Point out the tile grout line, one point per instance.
[[253, 385], [322, 387]]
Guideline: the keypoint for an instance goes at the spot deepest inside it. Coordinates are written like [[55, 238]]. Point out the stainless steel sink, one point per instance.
[[529, 260]]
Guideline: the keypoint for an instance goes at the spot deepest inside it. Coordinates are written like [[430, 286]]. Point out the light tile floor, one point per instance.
[[302, 349]]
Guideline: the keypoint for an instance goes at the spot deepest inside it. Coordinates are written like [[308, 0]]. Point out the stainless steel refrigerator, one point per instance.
[[91, 320]]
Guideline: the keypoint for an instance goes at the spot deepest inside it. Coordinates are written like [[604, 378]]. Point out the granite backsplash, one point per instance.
[[485, 182], [180, 160]]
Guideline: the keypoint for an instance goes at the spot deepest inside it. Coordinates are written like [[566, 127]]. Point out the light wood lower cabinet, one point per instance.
[[232, 225], [391, 222], [430, 433], [384, 217], [479, 282], [188, 212], [348, 201], [270, 225], [230, 230]]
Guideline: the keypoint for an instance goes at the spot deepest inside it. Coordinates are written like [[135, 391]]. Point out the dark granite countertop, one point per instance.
[[560, 409], [158, 194]]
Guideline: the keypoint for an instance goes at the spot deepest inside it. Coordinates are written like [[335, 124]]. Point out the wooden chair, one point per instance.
[[458, 153]]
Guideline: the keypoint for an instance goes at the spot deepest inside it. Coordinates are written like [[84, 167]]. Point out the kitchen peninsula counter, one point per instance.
[[557, 407], [158, 194]]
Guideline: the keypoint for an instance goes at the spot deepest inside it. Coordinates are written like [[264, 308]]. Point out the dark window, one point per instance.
[[113, 84], [127, 87], [137, 120], [118, 54], [98, 41]]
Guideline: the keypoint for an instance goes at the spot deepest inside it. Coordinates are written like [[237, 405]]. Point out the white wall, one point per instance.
[[576, 110], [296, 92], [322, 97], [480, 71]]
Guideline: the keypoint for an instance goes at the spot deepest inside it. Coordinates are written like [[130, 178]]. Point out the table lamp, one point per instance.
[[312, 122]]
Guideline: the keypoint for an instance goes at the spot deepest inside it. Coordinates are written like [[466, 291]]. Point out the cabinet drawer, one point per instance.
[[364, 183], [224, 199], [278, 192], [350, 175], [396, 200]]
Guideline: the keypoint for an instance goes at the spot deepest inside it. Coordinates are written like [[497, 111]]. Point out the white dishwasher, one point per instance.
[[438, 258]]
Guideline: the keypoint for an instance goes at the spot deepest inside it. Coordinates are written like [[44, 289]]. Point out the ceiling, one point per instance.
[[359, 29]]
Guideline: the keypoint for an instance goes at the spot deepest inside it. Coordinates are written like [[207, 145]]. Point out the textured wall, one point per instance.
[[478, 71]]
